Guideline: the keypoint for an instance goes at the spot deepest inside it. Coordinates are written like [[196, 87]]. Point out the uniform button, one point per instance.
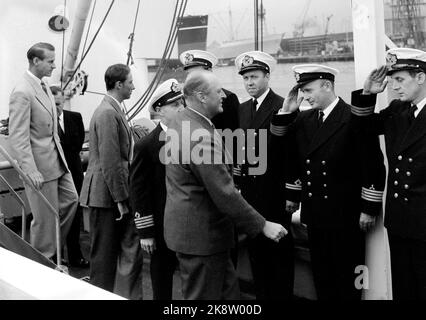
[[310, 195], [244, 174], [254, 177], [410, 160], [325, 197], [244, 148], [395, 183], [309, 183], [325, 186], [308, 161], [308, 172], [324, 173], [255, 134], [399, 158], [405, 199], [396, 195], [408, 173], [406, 187], [323, 163], [396, 170]]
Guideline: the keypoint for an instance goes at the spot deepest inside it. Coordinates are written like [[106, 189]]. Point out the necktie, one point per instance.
[[61, 133], [253, 108], [411, 111], [43, 86], [320, 118]]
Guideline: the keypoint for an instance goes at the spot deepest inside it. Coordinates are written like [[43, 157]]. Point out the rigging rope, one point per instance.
[[90, 45], [88, 30]]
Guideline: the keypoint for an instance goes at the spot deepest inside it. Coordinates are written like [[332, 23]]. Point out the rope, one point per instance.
[[90, 45], [141, 103], [88, 30], [63, 44], [132, 35]]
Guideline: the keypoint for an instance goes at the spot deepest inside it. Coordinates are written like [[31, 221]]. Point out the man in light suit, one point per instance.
[[115, 256], [35, 144], [203, 205], [71, 134]]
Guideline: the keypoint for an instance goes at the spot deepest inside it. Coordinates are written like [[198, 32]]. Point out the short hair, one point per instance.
[[414, 72], [196, 82], [56, 89], [324, 81], [116, 73], [38, 50]]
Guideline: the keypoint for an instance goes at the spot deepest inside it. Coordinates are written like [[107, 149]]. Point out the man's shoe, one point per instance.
[[80, 263]]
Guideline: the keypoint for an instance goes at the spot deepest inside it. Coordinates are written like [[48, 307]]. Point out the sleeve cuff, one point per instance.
[[280, 123], [144, 225], [363, 105]]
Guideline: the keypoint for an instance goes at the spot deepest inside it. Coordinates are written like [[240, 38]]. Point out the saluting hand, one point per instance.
[[376, 81], [274, 231], [291, 102]]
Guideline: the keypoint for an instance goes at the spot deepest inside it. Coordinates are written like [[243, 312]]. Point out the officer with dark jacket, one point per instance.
[[260, 176], [403, 124], [148, 189], [336, 175]]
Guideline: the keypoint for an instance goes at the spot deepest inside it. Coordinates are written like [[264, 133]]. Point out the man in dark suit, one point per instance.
[[148, 190], [272, 263], [71, 134], [115, 255], [403, 124], [194, 60], [203, 205], [336, 175]]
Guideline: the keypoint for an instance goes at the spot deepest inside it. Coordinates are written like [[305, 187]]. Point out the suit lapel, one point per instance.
[[117, 108], [42, 98], [333, 123], [264, 111], [415, 132]]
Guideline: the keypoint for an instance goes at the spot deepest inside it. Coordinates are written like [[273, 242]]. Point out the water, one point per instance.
[[282, 79]]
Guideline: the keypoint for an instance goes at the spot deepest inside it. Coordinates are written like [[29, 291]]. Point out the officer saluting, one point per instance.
[[272, 263], [340, 188], [193, 60], [403, 123]]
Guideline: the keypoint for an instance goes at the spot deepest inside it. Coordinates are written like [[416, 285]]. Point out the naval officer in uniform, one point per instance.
[[403, 124], [336, 175]]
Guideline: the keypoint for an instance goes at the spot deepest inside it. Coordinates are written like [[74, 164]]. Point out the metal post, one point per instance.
[[256, 25], [369, 52]]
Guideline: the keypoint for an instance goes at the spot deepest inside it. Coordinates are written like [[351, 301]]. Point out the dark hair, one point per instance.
[[37, 51], [414, 72], [55, 90], [116, 73]]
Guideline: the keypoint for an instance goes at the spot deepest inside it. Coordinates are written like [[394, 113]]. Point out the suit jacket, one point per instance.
[[33, 137], [72, 144], [405, 211], [332, 170], [202, 205], [228, 119], [107, 177], [265, 191], [148, 186]]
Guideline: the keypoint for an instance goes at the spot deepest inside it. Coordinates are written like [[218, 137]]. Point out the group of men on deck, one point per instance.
[[188, 197]]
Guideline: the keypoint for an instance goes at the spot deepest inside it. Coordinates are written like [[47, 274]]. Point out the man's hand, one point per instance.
[[291, 206], [123, 209], [366, 222], [274, 231], [148, 245], [376, 81], [291, 102], [36, 179]]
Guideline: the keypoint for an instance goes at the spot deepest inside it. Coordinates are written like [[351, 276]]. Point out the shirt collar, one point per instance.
[[163, 126], [261, 98], [207, 119], [420, 106], [119, 104], [330, 108], [34, 77]]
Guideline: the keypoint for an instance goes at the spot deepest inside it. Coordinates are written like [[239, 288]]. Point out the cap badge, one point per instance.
[[175, 87], [247, 60], [391, 59], [188, 58], [297, 76]]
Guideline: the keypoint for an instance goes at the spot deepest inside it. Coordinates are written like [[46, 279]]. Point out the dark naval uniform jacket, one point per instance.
[[406, 152], [228, 119], [332, 171]]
